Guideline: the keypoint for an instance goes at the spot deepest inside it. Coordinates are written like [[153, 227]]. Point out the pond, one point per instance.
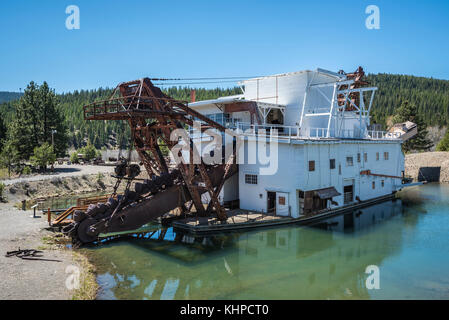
[[406, 239]]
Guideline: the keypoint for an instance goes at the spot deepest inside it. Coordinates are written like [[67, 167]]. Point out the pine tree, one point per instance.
[[2, 132], [408, 112], [43, 156], [37, 114], [443, 145]]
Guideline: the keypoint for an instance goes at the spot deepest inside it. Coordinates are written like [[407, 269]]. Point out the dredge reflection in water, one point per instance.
[[325, 261]]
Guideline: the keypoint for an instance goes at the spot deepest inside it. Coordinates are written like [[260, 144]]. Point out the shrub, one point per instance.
[[74, 157], [89, 152], [2, 189], [443, 145], [43, 156], [100, 176], [26, 170]]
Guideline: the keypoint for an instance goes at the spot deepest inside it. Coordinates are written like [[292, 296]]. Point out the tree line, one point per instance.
[[40, 118]]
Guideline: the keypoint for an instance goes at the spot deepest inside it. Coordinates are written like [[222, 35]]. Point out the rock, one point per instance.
[[415, 161]]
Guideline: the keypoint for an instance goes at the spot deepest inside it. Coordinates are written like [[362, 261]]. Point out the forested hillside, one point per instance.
[[6, 96], [431, 97], [114, 133]]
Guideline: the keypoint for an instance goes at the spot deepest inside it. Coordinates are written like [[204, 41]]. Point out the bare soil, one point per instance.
[[30, 279], [39, 279]]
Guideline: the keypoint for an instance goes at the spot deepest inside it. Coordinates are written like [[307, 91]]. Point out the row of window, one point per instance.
[[382, 183], [252, 179], [349, 161]]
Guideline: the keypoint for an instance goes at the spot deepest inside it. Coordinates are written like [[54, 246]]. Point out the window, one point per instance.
[[332, 163], [282, 201], [359, 157], [349, 161], [221, 118], [339, 169], [250, 179], [377, 156], [382, 183], [365, 157], [386, 155], [312, 165], [374, 185]]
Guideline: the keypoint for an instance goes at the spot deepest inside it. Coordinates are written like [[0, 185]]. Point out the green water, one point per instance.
[[65, 202], [407, 239]]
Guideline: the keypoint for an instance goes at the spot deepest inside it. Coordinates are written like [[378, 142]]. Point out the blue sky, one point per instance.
[[121, 41]]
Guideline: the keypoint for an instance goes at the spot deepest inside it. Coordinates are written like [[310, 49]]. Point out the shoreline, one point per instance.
[[49, 278], [44, 279]]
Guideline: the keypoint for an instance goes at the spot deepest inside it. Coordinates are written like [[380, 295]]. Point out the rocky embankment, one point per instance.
[[428, 165], [58, 186]]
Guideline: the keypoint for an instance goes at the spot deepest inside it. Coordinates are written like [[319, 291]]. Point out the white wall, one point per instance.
[[293, 173]]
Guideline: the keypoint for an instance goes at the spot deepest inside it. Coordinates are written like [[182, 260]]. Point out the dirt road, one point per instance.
[[62, 171], [30, 279]]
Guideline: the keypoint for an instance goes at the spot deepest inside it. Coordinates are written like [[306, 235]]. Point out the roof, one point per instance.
[[318, 70], [221, 100], [404, 126], [233, 99], [327, 193]]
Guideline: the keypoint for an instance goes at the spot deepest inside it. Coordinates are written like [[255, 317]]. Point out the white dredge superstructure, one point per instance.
[[329, 155]]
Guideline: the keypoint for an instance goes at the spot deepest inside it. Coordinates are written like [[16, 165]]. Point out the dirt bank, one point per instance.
[[57, 186], [38, 279], [428, 163], [61, 171]]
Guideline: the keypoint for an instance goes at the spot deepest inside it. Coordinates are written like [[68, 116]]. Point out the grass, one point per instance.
[[28, 204], [88, 283], [4, 173], [2, 190]]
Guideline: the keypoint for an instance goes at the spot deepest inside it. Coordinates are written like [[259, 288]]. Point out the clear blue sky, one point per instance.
[[121, 40]]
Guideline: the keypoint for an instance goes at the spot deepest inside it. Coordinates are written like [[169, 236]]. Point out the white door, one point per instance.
[[282, 204]]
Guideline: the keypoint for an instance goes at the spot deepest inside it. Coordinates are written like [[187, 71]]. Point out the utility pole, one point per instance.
[[53, 139]]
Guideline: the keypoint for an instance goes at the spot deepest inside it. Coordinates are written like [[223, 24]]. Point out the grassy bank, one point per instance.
[[88, 286]]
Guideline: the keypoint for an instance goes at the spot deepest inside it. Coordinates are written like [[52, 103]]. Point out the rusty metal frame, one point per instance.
[[138, 102]]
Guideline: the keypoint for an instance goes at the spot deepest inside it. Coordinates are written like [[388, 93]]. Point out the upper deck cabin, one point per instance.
[[306, 104]]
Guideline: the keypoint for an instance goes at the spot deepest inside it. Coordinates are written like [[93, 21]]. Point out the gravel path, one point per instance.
[[63, 171], [27, 279]]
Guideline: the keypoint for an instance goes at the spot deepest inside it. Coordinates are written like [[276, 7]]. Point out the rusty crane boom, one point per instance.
[[152, 116]]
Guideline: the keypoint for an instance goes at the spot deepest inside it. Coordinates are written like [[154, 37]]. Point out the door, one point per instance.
[[282, 204], [271, 202]]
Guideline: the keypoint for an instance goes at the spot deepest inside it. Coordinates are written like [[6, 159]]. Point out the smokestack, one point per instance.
[[192, 95]]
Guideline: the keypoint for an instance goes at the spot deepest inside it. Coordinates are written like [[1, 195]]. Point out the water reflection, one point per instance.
[[324, 261]]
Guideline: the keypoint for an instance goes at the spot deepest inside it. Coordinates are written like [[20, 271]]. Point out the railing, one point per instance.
[[348, 197], [317, 133], [383, 135], [269, 130], [295, 132]]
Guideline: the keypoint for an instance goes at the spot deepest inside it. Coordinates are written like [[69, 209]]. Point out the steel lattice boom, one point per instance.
[[153, 116]]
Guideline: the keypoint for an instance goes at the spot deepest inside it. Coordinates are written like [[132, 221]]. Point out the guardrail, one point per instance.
[[295, 132]]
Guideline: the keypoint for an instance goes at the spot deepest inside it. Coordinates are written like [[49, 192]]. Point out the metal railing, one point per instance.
[[295, 132], [269, 130], [383, 135]]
